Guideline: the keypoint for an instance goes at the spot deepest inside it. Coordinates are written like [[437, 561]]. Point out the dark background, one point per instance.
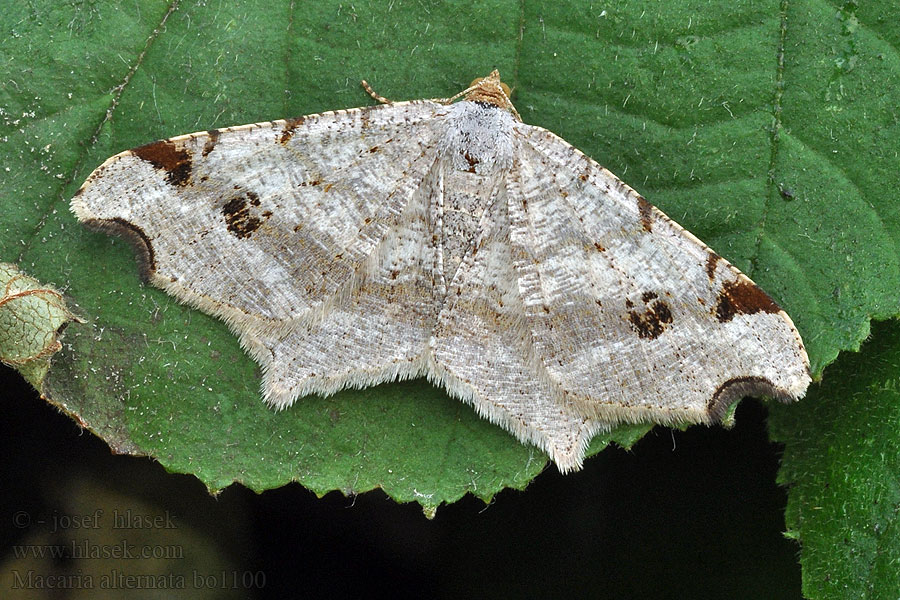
[[693, 514]]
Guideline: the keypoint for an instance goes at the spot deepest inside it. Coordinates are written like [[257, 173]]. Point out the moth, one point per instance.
[[448, 239]]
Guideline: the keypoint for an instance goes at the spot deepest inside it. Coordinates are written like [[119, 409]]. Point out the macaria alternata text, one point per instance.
[[450, 240]]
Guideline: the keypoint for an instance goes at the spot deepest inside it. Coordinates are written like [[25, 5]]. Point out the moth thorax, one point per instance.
[[478, 138]]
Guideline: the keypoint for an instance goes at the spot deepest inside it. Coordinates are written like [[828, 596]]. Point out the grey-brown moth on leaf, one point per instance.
[[449, 240]]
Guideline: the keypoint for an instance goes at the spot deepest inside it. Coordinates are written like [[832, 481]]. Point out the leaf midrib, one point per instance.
[[79, 163]]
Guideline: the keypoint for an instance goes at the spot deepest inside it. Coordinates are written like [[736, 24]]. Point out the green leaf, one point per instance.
[[31, 317], [841, 461], [767, 129]]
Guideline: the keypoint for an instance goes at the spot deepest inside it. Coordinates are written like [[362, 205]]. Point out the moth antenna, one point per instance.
[[455, 96], [371, 92]]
